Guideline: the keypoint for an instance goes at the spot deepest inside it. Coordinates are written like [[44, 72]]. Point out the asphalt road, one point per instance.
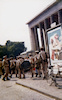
[[9, 90]]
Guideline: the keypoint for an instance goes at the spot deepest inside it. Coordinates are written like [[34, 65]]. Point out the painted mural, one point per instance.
[[55, 46]]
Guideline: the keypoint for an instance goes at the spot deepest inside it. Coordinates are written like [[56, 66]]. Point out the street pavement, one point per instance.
[[41, 86], [9, 90], [36, 84]]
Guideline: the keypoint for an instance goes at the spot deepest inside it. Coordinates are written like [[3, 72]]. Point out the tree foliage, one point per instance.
[[58, 0], [12, 49]]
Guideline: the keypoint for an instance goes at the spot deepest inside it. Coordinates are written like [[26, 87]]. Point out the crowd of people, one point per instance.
[[38, 62]]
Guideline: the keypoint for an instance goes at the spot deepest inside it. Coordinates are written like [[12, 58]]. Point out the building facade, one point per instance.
[[38, 26]]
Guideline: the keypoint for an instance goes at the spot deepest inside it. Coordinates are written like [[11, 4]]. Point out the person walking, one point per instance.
[[17, 66], [31, 60], [20, 71], [6, 68], [0, 67], [37, 63], [44, 63], [12, 66]]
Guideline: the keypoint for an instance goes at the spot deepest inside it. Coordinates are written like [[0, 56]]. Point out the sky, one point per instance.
[[14, 14]]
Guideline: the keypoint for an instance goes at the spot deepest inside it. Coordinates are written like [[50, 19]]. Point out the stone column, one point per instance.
[[51, 19], [36, 38], [32, 39], [59, 16], [45, 35], [40, 27], [45, 25]]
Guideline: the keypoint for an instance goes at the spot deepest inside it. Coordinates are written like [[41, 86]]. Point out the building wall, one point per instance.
[[53, 14]]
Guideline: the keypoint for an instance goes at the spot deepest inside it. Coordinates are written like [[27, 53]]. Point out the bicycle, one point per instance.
[[52, 76]]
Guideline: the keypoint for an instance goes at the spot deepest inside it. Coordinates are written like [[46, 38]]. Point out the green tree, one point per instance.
[[3, 51], [12, 48], [58, 0]]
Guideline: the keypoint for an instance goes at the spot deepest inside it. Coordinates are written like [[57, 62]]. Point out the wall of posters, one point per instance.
[[55, 46]]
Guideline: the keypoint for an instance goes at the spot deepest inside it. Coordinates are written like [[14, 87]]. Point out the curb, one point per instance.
[[56, 98]]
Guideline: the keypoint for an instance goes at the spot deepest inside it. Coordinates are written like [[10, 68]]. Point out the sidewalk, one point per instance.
[[41, 86]]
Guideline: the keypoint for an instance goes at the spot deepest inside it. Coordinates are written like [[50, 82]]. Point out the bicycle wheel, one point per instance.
[[49, 80]]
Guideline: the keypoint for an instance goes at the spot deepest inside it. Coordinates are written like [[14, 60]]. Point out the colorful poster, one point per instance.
[[55, 46]]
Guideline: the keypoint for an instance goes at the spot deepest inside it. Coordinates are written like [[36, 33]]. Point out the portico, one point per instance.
[[50, 17]]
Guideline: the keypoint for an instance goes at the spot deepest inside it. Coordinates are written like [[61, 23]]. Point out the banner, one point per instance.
[[55, 46]]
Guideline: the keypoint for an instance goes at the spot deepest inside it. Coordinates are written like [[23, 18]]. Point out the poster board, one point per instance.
[[55, 46]]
